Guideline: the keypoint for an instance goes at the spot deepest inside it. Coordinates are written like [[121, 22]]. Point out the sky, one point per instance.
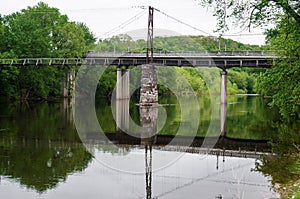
[[106, 18]]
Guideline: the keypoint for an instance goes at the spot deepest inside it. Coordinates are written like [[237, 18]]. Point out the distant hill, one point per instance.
[[125, 43]]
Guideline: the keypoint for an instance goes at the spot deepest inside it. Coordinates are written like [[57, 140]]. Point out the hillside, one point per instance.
[[124, 43]]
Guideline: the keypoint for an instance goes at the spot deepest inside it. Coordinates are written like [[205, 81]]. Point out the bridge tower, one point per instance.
[[149, 93]]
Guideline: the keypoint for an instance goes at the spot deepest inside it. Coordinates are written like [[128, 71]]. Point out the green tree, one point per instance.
[[280, 82], [29, 32], [39, 31], [251, 13], [89, 37], [69, 40], [120, 43]]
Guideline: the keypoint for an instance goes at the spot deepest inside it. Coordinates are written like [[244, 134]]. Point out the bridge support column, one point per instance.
[[126, 84], [148, 104], [223, 103], [119, 84], [122, 90], [68, 82], [122, 99], [149, 93], [224, 87]]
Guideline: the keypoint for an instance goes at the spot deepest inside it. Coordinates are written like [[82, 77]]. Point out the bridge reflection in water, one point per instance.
[[148, 121], [149, 139]]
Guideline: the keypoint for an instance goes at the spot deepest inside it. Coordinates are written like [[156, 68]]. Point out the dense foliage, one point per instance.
[[281, 82], [38, 31], [41, 31], [124, 43], [251, 13]]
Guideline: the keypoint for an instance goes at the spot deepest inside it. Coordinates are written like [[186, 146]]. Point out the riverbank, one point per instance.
[[291, 190], [285, 173]]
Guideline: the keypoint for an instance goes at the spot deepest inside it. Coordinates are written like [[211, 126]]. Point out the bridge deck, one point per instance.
[[223, 146], [222, 59]]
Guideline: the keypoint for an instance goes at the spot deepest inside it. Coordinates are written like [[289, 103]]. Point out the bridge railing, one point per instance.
[[263, 53], [42, 61], [200, 58]]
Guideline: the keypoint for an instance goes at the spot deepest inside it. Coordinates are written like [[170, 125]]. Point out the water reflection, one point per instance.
[[225, 147], [40, 149], [122, 114], [223, 118], [148, 121], [243, 117], [37, 150], [42, 165]]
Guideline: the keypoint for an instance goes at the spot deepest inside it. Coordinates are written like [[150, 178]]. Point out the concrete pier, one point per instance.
[[223, 103], [122, 99], [119, 84], [123, 90], [224, 87]]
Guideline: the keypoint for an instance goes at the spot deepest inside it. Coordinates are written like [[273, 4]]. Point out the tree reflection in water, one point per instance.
[[37, 150]]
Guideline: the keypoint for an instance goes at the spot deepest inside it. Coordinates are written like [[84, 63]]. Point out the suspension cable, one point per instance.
[[179, 21], [125, 23]]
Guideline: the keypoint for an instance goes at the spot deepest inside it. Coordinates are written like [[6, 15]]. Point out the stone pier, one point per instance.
[[148, 103], [149, 93]]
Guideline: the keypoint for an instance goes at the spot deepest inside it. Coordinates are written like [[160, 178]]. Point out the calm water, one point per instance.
[[42, 156]]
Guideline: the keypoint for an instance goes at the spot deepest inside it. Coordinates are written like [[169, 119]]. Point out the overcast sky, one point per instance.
[[101, 16]]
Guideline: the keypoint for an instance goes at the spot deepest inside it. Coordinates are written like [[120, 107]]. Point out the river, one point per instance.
[[42, 155]]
